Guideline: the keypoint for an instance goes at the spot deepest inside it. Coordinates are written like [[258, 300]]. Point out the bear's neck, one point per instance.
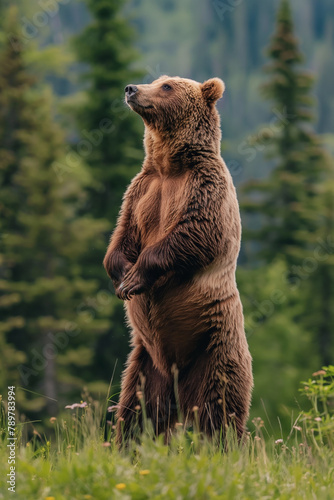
[[172, 156]]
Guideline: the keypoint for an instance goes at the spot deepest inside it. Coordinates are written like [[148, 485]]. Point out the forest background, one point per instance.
[[69, 147]]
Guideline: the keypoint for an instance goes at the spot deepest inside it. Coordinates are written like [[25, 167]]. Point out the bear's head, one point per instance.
[[179, 109]]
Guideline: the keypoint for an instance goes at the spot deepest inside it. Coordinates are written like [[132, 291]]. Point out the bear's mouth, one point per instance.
[[141, 106], [134, 102], [145, 107]]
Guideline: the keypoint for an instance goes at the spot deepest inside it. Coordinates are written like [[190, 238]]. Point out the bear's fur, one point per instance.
[[172, 258]]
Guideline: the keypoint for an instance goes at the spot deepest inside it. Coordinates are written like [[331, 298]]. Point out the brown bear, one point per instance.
[[172, 258]]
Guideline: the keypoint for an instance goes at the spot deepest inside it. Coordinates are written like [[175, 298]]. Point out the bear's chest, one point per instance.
[[161, 207]]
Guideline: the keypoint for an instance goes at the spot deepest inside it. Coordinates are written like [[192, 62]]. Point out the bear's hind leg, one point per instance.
[[144, 388]]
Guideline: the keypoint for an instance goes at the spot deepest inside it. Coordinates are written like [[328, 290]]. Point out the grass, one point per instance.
[[78, 464]]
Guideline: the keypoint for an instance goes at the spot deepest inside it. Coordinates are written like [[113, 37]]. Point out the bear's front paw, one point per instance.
[[132, 285], [117, 267]]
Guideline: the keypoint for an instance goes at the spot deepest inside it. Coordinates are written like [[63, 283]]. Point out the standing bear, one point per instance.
[[172, 258]]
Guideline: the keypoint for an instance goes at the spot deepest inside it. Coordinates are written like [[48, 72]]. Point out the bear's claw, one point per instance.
[[126, 291]]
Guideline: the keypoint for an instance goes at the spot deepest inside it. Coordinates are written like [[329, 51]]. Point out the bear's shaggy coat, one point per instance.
[[172, 258]]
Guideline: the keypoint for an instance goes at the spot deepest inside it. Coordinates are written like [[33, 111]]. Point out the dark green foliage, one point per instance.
[[295, 203], [106, 47], [110, 143], [44, 332], [280, 345], [319, 419], [286, 199]]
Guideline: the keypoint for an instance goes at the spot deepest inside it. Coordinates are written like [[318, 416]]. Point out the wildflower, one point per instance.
[[278, 441], [50, 498], [144, 472], [317, 419], [297, 428], [112, 408], [178, 424], [258, 422], [195, 408], [37, 433], [139, 395], [320, 372], [106, 444], [137, 407], [120, 486], [83, 404], [53, 420]]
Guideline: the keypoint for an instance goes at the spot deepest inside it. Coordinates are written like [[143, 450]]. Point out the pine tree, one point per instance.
[[45, 330], [106, 46], [316, 274], [115, 153], [285, 199], [295, 202]]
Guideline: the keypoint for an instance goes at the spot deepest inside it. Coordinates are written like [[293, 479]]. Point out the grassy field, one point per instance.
[[78, 464]]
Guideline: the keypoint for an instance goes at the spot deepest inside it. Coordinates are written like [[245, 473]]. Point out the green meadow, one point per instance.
[[78, 463]]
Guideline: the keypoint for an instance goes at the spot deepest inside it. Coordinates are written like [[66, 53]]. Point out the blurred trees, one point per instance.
[[44, 331], [281, 347], [294, 225], [286, 200], [110, 141], [108, 130]]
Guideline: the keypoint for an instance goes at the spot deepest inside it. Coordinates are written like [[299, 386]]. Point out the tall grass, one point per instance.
[[79, 464]]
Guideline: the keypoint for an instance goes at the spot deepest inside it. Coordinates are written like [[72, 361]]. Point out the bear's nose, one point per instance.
[[130, 90]]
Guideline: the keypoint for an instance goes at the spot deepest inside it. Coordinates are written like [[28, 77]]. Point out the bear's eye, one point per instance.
[[166, 86]]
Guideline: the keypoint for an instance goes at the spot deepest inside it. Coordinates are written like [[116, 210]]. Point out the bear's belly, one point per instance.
[[160, 208], [175, 322], [170, 325]]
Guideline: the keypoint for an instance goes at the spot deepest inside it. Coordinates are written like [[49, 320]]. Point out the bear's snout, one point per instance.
[[130, 90]]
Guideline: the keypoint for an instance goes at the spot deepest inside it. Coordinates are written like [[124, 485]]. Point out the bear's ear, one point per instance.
[[213, 89]]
